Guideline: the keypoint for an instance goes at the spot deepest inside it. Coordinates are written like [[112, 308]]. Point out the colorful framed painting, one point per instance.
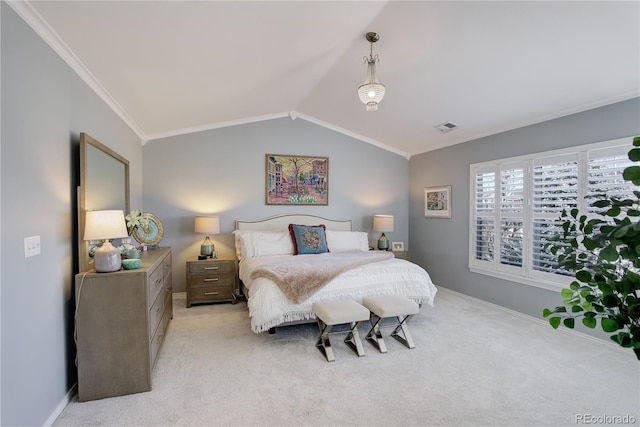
[[437, 202], [296, 180]]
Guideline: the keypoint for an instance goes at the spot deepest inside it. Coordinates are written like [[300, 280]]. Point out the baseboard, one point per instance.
[[572, 332], [180, 295], [63, 404]]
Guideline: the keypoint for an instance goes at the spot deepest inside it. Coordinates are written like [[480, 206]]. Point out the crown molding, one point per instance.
[[27, 12]]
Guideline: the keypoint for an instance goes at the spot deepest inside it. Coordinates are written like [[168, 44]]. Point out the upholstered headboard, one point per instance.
[[281, 222]]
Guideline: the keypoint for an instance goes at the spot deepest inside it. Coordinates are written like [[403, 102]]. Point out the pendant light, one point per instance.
[[371, 92]]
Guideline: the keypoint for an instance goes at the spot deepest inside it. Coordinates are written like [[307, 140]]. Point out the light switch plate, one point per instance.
[[31, 246]]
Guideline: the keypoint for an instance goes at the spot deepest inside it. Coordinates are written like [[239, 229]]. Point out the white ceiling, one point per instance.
[[173, 67]]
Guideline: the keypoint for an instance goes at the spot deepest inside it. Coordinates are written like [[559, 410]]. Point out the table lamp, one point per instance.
[[383, 223], [105, 225], [207, 225]]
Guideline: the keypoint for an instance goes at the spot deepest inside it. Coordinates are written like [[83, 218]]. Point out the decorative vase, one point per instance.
[[126, 246]]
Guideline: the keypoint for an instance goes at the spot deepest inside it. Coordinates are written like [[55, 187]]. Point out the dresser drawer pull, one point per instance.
[[214, 279], [211, 268], [212, 293]]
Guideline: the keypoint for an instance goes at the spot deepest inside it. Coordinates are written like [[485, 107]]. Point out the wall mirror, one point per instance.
[[104, 184]]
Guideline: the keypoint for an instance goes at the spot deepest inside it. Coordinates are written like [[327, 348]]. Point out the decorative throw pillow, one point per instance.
[[308, 239]]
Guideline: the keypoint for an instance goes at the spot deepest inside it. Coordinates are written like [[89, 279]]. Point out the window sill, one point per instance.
[[536, 282]]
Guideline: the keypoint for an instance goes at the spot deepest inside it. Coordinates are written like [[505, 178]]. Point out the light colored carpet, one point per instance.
[[474, 365]]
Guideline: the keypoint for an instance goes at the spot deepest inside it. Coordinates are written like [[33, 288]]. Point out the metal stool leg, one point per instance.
[[323, 344], [407, 340], [375, 336], [353, 339]]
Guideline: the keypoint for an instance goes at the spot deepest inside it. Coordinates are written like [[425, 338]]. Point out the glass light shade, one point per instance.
[[372, 91]]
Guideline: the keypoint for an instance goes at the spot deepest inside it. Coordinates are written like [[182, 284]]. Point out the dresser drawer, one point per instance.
[[166, 265], [211, 293], [219, 267], [155, 314], [155, 283], [158, 338]]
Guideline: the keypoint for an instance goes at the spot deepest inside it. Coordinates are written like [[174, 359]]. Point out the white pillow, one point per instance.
[[347, 241], [251, 243]]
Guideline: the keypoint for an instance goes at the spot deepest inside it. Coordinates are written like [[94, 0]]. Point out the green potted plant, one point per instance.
[[604, 256]]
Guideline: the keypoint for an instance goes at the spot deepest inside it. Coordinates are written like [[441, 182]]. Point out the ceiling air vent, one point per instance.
[[446, 127]]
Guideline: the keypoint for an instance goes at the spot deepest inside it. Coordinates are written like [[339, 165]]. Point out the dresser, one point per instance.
[[212, 280], [121, 320]]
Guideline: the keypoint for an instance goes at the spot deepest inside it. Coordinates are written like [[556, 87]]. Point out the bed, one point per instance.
[[275, 271]]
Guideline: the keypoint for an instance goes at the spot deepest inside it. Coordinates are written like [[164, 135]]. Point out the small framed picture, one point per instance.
[[437, 202], [397, 246]]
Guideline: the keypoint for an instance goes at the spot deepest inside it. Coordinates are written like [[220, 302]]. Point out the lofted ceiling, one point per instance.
[[174, 67]]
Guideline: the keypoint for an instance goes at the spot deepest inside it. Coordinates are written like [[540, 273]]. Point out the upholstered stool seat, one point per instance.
[[337, 312], [387, 306]]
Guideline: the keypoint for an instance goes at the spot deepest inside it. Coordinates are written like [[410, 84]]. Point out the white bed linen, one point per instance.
[[269, 307]]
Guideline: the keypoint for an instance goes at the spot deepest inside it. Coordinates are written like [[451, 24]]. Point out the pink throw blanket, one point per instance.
[[303, 275]]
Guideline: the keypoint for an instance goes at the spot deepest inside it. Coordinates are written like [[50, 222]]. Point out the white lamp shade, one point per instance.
[[102, 225], [207, 224], [383, 223]]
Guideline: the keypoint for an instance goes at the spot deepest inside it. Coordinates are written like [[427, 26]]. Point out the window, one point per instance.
[[516, 203]]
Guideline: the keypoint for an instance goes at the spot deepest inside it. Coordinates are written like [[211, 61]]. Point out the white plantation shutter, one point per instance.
[[605, 174], [511, 214], [517, 203], [485, 208], [555, 187]]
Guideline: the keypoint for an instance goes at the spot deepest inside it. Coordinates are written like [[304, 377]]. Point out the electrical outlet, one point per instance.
[[31, 246]]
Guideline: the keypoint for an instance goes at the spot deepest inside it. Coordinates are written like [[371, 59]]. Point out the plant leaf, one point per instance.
[[555, 322], [584, 276], [609, 325], [589, 322], [609, 254], [634, 154], [569, 322]]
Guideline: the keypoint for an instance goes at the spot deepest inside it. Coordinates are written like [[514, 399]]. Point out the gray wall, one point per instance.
[[441, 246], [44, 108], [223, 172]]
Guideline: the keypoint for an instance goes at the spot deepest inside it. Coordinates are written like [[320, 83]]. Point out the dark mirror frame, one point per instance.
[[95, 160]]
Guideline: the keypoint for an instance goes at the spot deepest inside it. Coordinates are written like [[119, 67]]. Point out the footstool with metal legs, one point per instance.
[[337, 312], [386, 306]]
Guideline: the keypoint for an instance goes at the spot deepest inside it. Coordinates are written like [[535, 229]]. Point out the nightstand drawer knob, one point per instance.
[[211, 293], [211, 268], [215, 279]]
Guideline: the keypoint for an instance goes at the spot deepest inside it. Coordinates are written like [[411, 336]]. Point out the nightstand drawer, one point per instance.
[[211, 293], [207, 267], [212, 280]]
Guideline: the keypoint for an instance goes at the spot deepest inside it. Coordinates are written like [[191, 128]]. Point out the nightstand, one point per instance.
[[212, 280], [401, 254]]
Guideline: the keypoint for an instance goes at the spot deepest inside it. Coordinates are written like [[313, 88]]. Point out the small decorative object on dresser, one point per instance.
[[212, 280], [150, 232]]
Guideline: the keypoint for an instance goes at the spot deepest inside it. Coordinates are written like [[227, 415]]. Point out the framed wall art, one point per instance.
[[437, 202], [296, 180]]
